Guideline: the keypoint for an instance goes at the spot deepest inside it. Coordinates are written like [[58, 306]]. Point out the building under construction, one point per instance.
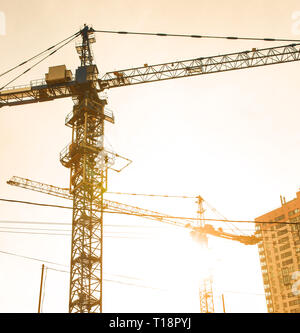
[[279, 252]]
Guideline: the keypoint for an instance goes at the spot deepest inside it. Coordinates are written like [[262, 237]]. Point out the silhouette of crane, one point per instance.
[[86, 156]]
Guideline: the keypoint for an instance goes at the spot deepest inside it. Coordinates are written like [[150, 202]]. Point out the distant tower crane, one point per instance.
[[86, 157], [205, 288], [196, 230], [199, 230]]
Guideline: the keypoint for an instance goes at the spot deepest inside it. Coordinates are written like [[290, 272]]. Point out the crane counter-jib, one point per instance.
[[16, 90], [38, 93]]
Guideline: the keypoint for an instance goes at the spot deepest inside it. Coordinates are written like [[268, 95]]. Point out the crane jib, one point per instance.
[[39, 91], [200, 66]]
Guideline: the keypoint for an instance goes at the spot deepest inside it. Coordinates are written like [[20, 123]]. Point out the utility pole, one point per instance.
[[223, 302], [41, 288]]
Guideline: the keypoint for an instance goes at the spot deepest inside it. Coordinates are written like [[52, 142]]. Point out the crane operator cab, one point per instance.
[[86, 73]]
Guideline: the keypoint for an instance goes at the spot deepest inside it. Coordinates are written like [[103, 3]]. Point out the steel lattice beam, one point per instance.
[[107, 204], [88, 181], [201, 66], [39, 91], [206, 296]]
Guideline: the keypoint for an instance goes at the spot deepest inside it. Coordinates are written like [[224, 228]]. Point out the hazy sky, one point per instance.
[[231, 137]]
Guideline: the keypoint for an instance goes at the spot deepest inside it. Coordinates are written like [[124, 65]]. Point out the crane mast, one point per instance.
[[86, 161]]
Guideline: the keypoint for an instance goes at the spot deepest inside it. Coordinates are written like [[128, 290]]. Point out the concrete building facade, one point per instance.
[[279, 252]]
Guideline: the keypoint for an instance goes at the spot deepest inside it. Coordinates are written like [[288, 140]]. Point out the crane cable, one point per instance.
[[154, 195], [197, 36], [37, 63], [37, 55], [183, 197], [221, 215], [69, 39]]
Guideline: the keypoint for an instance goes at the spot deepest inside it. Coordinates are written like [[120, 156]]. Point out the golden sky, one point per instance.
[[231, 137]]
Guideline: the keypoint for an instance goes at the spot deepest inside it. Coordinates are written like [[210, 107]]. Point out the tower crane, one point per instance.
[[199, 230], [107, 204], [86, 157]]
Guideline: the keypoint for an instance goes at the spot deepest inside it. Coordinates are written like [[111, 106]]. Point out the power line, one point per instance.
[[34, 229], [108, 280], [67, 230], [150, 215], [70, 224], [65, 271], [142, 286], [109, 225], [58, 264], [34, 233], [132, 284], [114, 281], [31, 222], [35, 203], [139, 237], [69, 235], [106, 225], [159, 34], [110, 232], [31, 258], [161, 226], [125, 277]]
